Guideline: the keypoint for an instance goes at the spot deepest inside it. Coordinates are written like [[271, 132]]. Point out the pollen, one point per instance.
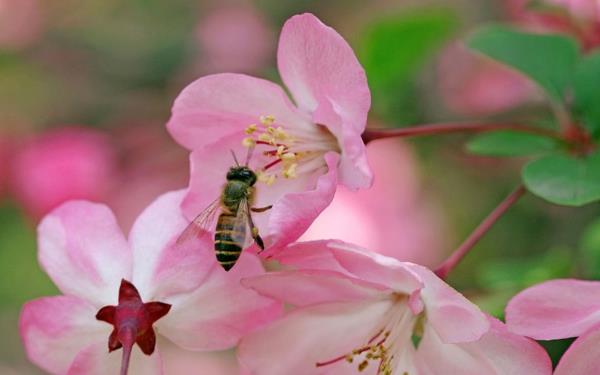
[[251, 129], [267, 120], [265, 178], [375, 351], [290, 171], [266, 137], [248, 142], [288, 157]]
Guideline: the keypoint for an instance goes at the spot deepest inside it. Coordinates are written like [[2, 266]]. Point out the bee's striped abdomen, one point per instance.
[[227, 244]]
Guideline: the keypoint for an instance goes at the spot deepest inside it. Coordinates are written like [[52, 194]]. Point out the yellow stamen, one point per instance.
[[251, 129], [288, 157], [267, 120], [290, 171], [248, 142]]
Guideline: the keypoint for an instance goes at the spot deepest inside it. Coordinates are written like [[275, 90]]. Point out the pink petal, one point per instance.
[[326, 80], [583, 356], [302, 288], [498, 352], [55, 329], [291, 215], [220, 311], [178, 361], [294, 344], [162, 268], [84, 252], [96, 360], [555, 309], [352, 261], [224, 104], [445, 307]]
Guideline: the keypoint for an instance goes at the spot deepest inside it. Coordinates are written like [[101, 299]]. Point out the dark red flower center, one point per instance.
[[132, 320]]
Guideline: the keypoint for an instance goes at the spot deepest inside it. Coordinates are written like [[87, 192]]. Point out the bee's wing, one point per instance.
[[241, 223], [202, 224]]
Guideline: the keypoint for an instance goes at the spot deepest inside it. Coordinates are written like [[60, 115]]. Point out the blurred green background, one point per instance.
[[117, 65]]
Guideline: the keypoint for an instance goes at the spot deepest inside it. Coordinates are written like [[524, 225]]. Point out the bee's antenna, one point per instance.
[[249, 155], [235, 158]]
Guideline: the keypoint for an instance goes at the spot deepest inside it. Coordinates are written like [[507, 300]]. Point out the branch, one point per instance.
[[453, 127], [449, 264]]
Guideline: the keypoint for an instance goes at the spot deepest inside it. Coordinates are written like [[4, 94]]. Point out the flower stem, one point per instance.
[[449, 264], [453, 127], [127, 338]]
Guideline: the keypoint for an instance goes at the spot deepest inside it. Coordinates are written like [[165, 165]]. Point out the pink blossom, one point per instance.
[[558, 309], [472, 85], [235, 39], [187, 297], [20, 23], [358, 312], [62, 164], [394, 210], [301, 151]]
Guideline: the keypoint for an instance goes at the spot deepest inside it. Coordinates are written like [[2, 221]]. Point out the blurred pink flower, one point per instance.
[[392, 211], [62, 164], [234, 39], [559, 309], [20, 23], [86, 255], [358, 312], [302, 151], [150, 163], [579, 18], [472, 85]]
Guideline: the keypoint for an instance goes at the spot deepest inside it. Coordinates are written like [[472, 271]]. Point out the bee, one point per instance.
[[235, 217]]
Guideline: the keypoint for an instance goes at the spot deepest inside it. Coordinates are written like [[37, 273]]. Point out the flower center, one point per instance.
[[288, 152], [132, 322], [388, 348]]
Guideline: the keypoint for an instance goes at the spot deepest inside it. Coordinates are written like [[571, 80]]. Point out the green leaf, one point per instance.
[[564, 180], [393, 48], [587, 91], [590, 250], [511, 143], [547, 59]]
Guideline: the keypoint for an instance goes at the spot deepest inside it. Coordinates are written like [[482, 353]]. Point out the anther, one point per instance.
[[267, 120], [248, 142]]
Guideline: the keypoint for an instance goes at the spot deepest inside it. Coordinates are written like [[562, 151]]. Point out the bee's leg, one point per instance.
[[254, 229], [261, 209]]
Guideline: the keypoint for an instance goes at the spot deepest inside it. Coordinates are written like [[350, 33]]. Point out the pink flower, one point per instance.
[[559, 309], [234, 39], [20, 23], [472, 85], [302, 150], [183, 294], [363, 313], [394, 210], [62, 164]]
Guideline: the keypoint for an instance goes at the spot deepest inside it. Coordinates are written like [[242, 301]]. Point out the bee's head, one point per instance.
[[243, 174]]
